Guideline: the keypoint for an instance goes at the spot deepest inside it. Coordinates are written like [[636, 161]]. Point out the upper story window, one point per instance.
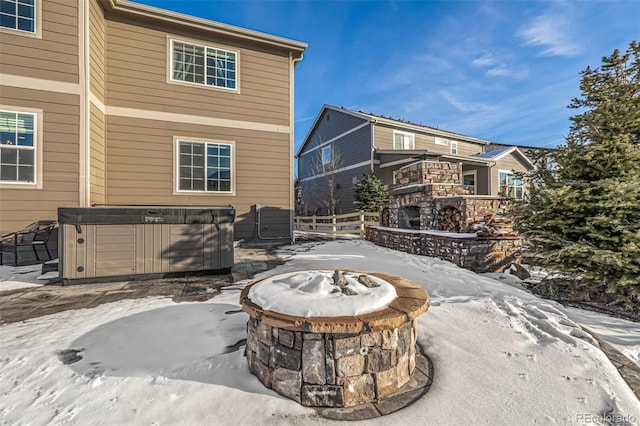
[[511, 185], [18, 15], [454, 147], [441, 141], [204, 166], [326, 155], [17, 147], [403, 140], [193, 63]]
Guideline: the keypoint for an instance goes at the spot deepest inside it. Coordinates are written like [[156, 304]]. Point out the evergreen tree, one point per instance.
[[369, 193], [583, 210]]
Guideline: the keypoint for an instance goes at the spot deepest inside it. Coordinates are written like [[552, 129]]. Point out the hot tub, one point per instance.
[[338, 360]]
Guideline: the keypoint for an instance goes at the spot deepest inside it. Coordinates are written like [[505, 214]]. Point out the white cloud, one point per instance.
[[499, 68], [462, 106], [485, 60], [550, 31]]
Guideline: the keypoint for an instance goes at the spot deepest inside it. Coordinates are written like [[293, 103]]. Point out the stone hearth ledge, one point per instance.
[[411, 302]]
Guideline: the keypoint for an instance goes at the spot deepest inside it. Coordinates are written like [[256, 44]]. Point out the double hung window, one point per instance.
[[17, 147], [403, 140], [204, 166], [193, 63]]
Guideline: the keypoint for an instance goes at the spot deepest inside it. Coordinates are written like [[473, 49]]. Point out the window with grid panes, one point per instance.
[[17, 147], [193, 63], [18, 15], [204, 166]]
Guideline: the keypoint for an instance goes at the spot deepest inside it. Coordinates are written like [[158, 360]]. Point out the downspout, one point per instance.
[[292, 61], [84, 136], [373, 143]]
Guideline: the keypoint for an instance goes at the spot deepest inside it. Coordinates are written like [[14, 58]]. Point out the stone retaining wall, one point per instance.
[[479, 254]]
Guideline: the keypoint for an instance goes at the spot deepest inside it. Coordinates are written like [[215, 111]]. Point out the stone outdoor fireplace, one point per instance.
[[346, 359], [450, 222]]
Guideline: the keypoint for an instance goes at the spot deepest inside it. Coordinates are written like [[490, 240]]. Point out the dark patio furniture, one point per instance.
[[35, 235]]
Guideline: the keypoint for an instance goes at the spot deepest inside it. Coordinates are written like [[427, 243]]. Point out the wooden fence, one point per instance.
[[350, 223]]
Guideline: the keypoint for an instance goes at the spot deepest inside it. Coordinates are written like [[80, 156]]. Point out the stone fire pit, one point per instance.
[[333, 338]]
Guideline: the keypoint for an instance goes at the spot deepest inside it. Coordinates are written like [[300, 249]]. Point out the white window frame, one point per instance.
[[441, 141], [454, 147], [180, 139], [473, 173], [508, 187], [171, 65], [408, 140], [36, 148], [37, 23]]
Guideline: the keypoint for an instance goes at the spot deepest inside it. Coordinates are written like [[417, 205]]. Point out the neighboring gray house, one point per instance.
[[343, 145]]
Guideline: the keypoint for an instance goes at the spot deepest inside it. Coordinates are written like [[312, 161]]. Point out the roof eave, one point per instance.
[[316, 121], [144, 11]]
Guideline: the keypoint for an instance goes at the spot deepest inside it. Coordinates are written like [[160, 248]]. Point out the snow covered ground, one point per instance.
[[500, 355]]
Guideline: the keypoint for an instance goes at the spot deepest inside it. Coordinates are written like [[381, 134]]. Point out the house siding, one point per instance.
[[423, 141], [137, 64], [97, 66], [61, 116], [261, 170], [349, 149], [97, 122], [315, 192], [482, 178], [133, 114], [98, 156], [339, 123], [55, 55], [137, 78], [53, 59]]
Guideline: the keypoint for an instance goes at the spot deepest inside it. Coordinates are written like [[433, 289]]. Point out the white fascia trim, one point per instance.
[[515, 149], [322, 145], [341, 169], [98, 103], [315, 123], [194, 119], [397, 162], [39, 84]]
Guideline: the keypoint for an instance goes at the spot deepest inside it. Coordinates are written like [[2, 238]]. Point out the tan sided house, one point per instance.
[[343, 145], [108, 102]]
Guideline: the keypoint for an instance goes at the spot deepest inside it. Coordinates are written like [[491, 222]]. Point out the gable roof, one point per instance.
[[373, 118], [421, 127], [497, 154], [142, 12]]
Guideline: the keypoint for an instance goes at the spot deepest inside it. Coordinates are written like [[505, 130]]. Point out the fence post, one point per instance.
[[361, 223], [313, 223], [333, 224]]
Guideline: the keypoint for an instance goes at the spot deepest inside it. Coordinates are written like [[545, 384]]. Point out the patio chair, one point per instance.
[[35, 235]]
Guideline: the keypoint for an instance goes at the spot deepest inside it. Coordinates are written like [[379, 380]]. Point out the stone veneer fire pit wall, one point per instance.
[[472, 231], [336, 361]]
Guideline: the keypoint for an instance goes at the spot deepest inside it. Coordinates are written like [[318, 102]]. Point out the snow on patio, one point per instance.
[[500, 354]]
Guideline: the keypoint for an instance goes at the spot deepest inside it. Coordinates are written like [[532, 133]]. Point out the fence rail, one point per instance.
[[349, 223]]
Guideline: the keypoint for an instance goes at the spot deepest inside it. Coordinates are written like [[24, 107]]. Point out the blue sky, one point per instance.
[[503, 71]]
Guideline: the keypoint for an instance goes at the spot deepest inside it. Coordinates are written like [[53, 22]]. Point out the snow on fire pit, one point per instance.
[[333, 338]]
